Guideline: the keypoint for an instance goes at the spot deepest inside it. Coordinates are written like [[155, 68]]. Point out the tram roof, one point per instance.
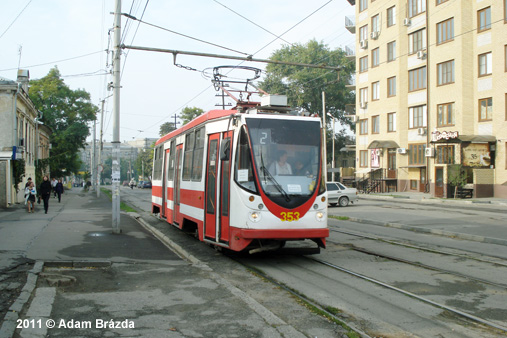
[[210, 115]]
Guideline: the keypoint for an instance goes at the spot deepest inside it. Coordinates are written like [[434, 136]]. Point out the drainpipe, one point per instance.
[[427, 96]]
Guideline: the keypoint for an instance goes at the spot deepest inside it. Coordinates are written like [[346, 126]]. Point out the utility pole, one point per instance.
[[334, 136], [325, 134], [175, 123], [94, 162], [116, 119], [99, 167]]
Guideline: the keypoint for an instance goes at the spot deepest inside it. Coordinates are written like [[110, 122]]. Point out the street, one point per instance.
[[375, 278]]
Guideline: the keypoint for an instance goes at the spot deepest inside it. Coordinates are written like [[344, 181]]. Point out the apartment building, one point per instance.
[[431, 93]]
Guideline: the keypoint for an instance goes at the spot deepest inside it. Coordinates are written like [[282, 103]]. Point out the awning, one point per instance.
[[468, 138], [383, 144], [414, 166]]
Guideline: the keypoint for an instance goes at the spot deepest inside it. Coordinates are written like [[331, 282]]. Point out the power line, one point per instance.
[[15, 19], [53, 62], [184, 35]]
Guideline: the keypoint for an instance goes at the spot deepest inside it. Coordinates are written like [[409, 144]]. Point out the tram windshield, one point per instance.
[[287, 158]]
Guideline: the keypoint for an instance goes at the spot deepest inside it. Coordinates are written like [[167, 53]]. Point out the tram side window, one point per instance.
[[194, 149], [243, 170], [170, 166], [157, 165]]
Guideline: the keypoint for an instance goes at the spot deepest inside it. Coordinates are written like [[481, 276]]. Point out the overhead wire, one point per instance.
[[15, 19]]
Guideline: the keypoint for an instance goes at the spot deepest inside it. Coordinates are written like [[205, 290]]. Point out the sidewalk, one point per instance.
[[420, 197], [83, 273]]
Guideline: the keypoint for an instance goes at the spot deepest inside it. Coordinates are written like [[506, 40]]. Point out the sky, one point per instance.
[[74, 36]]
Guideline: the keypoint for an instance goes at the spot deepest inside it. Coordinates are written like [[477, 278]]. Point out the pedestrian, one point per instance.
[[28, 181], [53, 186], [132, 183], [45, 192], [30, 193], [59, 189]]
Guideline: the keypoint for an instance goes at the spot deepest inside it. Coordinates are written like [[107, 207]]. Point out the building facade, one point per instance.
[[431, 95], [22, 137]]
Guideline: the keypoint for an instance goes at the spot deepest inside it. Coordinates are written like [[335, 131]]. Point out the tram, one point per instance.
[[248, 178]]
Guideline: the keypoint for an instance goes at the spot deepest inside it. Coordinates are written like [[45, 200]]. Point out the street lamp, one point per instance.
[[334, 135]]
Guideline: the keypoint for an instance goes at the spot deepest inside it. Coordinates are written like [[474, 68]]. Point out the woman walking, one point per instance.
[[30, 194], [59, 189], [45, 192]]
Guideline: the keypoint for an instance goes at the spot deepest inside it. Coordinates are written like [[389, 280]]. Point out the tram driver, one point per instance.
[[280, 166]]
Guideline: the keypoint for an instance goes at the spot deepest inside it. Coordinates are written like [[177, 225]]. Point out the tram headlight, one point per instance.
[[319, 215], [255, 216]]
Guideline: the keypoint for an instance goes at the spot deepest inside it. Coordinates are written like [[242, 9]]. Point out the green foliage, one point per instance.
[[108, 165], [67, 112], [41, 169], [304, 86], [457, 176], [166, 128], [145, 159], [19, 171], [188, 114]]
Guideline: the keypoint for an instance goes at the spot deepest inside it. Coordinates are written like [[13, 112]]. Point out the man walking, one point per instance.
[[45, 192]]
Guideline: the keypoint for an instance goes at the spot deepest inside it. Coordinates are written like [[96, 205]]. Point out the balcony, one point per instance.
[[350, 52], [350, 24], [351, 82]]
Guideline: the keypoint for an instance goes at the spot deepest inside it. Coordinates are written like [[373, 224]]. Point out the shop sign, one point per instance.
[[476, 155], [446, 135]]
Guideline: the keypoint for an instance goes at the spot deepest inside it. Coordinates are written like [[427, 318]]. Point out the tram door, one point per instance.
[[164, 184], [225, 179], [177, 181], [210, 224]]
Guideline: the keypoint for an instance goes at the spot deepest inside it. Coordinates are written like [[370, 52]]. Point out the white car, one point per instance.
[[337, 193]]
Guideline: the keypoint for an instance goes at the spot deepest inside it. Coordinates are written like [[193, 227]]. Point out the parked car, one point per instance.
[[140, 184], [146, 185], [339, 194]]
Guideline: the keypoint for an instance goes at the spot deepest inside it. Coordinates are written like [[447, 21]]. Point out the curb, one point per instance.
[[474, 238], [407, 199]]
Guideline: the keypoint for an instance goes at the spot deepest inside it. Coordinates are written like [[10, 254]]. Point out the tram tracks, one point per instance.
[[415, 296]]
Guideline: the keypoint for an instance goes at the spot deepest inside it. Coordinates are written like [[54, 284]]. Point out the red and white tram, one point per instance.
[[220, 175]]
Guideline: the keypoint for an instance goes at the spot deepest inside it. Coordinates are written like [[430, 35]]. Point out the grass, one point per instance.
[[123, 206], [341, 218]]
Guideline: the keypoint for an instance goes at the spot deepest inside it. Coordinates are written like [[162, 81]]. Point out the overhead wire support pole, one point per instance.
[[231, 57], [116, 176]]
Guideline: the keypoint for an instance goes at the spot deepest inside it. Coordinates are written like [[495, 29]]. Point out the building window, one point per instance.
[[417, 41], [363, 32], [445, 73], [484, 19], [413, 184], [445, 114], [363, 64], [391, 51], [485, 64], [439, 2], [445, 31], [417, 117], [391, 16], [417, 79], [375, 57], [375, 27], [391, 122], [375, 124], [505, 56], [445, 154], [416, 7], [416, 154], [375, 91], [363, 5], [363, 95], [486, 109], [363, 158], [363, 127], [391, 86]]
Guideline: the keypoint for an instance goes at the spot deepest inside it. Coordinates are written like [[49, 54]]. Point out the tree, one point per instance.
[[188, 114], [166, 128], [67, 112], [304, 86], [145, 159]]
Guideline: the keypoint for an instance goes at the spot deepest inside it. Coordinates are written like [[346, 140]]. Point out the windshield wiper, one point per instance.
[[275, 183]]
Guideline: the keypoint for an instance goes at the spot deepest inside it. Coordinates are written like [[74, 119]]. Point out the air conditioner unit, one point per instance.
[[363, 44], [402, 150], [374, 35], [354, 118], [421, 131], [406, 22], [421, 54], [378, 152], [363, 105], [429, 152]]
